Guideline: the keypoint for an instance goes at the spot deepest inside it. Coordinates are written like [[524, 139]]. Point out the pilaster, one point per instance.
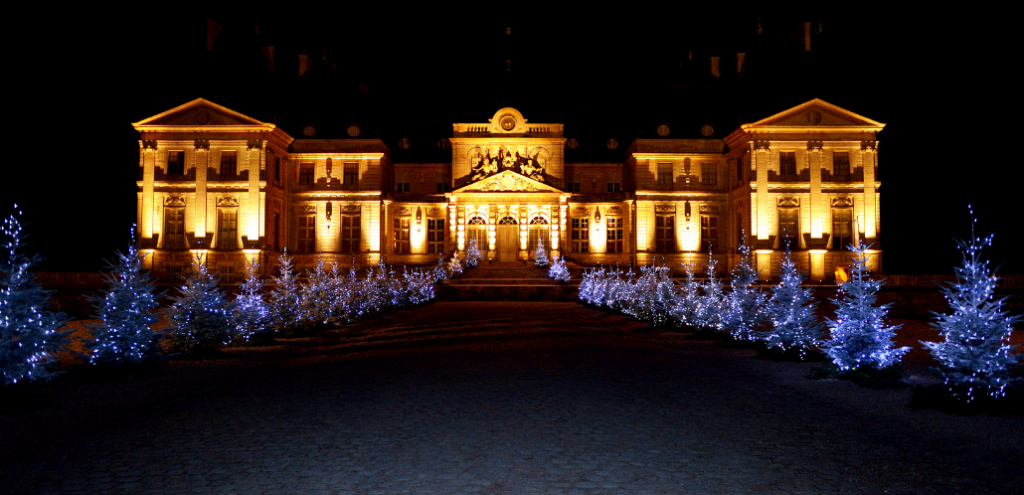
[[255, 153], [148, 171], [814, 164], [761, 157], [867, 156], [202, 157]]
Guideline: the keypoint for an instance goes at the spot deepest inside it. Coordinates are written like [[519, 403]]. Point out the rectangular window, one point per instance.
[[841, 164], [174, 228], [307, 233], [351, 178], [665, 175], [787, 163], [435, 235], [614, 235], [227, 228], [306, 174], [228, 164], [614, 187], [708, 174], [401, 235], [574, 183], [789, 227], [226, 273], [708, 232], [401, 187], [350, 225], [277, 170], [175, 162], [842, 228], [580, 235], [665, 233]]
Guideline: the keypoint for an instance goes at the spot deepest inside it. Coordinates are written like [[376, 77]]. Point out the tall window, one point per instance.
[[708, 174], [574, 183], [351, 178], [842, 227], [174, 228], [787, 163], [614, 235], [614, 182], [538, 230], [228, 164], [277, 232], [307, 233], [841, 164], [402, 235], [665, 233], [350, 233], [175, 162], [708, 231], [277, 170], [442, 182], [665, 175], [788, 227], [306, 174], [580, 235], [227, 228], [739, 170], [435, 235]]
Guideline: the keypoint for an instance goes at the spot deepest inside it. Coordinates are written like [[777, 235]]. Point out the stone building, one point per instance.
[[213, 179]]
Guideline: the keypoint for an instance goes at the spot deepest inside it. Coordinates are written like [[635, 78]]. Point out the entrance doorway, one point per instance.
[[477, 229], [539, 230], [508, 239]]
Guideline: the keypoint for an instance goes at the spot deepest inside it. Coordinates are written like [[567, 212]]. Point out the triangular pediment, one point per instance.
[[199, 112], [817, 113], [507, 181]]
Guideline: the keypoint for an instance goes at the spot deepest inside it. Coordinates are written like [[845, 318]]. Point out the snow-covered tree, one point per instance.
[[712, 304], [976, 356], [859, 337], [745, 304], [285, 297], [472, 253], [688, 299], [125, 333], [253, 317], [653, 295], [200, 316], [558, 271], [540, 257], [316, 295], [794, 325], [29, 336]]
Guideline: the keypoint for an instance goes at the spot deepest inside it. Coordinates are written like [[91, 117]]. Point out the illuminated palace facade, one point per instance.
[[214, 180]]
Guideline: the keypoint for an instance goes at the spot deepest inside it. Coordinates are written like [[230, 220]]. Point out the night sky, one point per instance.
[[941, 82]]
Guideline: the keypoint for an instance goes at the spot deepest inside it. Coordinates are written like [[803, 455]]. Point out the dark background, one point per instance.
[[941, 81]]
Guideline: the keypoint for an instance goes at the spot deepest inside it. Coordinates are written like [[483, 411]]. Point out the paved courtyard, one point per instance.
[[497, 398]]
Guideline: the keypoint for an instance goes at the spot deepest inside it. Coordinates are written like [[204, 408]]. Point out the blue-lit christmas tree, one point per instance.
[[794, 325], [29, 334], [284, 298], [745, 304], [440, 272], [711, 308], [253, 318], [652, 296], [316, 295], [688, 299], [200, 316], [976, 357], [540, 257], [472, 253], [558, 270], [859, 338], [126, 312]]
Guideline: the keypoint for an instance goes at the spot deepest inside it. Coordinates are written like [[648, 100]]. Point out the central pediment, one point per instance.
[[507, 181]]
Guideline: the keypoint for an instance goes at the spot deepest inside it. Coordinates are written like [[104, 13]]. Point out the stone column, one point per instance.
[[253, 207], [814, 163], [148, 172], [202, 155], [385, 231], [761, 158], [867, 159]]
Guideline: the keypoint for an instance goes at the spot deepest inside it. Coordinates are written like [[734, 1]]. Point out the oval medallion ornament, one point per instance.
[[707, 131], [507, 122], [813, 118], [202, 117]]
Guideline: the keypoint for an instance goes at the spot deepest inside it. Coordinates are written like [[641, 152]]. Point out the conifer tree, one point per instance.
[[745, 304], [794, 325], [558, 271], [316, 296], [253, 318], [29, 334], [200, 315], [540, 258], [976, 356], [284, 299], [454, 265], [125, 333], [688, 300], [711, 306], [440, 272], [472, 253], [859, 337], [653, 295]]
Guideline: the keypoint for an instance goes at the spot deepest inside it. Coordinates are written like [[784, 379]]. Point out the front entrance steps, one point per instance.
[[510, 281]]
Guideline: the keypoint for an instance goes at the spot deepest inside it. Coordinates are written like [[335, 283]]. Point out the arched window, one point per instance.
[[508, 220], [477, 220], [538, 220]]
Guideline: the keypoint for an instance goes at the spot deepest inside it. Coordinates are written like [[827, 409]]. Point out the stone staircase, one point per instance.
[[510, 281]]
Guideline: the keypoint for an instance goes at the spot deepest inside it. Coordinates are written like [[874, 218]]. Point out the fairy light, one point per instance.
[[791, 311]]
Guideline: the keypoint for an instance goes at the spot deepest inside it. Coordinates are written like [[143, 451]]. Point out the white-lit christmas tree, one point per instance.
[[253, 318], [711, 308], [540, 257], [200, 315], [975, 357], [29, 336], [284, 298], [440, 272], [125, 333], [472, 253], [316, 295], [859, 337], [653, 295], [745, 304], [454, 266], [558, 270], [794, 325], [688, 299]]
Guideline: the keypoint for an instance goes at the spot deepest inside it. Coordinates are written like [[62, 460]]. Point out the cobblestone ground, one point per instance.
[[497, 398]]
